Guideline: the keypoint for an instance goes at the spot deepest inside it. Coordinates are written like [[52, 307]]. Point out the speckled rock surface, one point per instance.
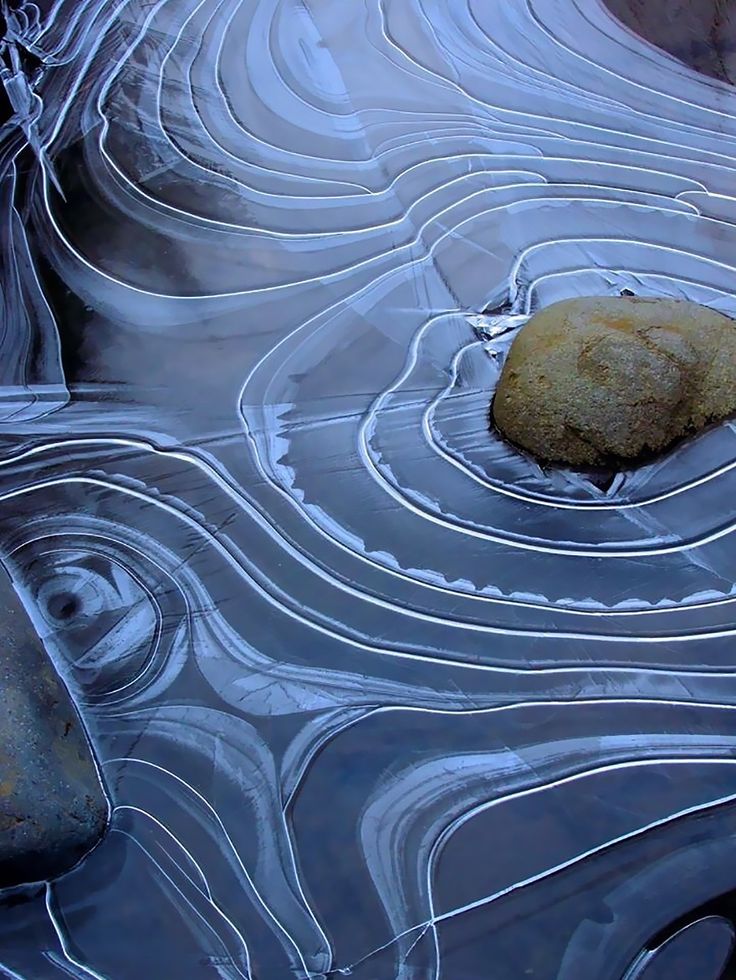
[[600, 381], [701, 33], [52, 805]]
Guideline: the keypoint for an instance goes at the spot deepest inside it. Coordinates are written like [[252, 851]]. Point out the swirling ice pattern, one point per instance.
[[373, 694]]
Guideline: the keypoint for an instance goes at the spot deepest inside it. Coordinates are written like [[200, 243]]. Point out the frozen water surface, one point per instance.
[[373, 694]]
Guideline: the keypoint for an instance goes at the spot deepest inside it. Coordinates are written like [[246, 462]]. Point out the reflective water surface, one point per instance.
[[373, 694]]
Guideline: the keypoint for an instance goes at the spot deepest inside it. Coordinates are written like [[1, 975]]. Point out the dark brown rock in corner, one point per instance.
[[52, 805], [608, 380], [701, 33]]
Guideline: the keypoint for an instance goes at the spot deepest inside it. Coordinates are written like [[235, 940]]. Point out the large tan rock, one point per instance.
[[596, 381]]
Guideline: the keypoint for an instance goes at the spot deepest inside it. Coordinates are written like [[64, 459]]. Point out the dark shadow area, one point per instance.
[[701, 33]]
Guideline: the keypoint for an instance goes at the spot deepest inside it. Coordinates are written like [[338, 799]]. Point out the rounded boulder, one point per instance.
[[600, 381]]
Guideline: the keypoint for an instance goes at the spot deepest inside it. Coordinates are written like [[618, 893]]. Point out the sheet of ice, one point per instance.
[[374, 695]]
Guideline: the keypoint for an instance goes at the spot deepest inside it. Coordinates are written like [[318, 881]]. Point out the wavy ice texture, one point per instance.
[[373, 694]]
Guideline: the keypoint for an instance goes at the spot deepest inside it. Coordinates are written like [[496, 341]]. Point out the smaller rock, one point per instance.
[[605, 380], [52, 805]]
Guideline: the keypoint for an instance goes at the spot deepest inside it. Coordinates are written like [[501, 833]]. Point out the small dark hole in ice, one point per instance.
[[503, 309], [604, 479], [63, 606]]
